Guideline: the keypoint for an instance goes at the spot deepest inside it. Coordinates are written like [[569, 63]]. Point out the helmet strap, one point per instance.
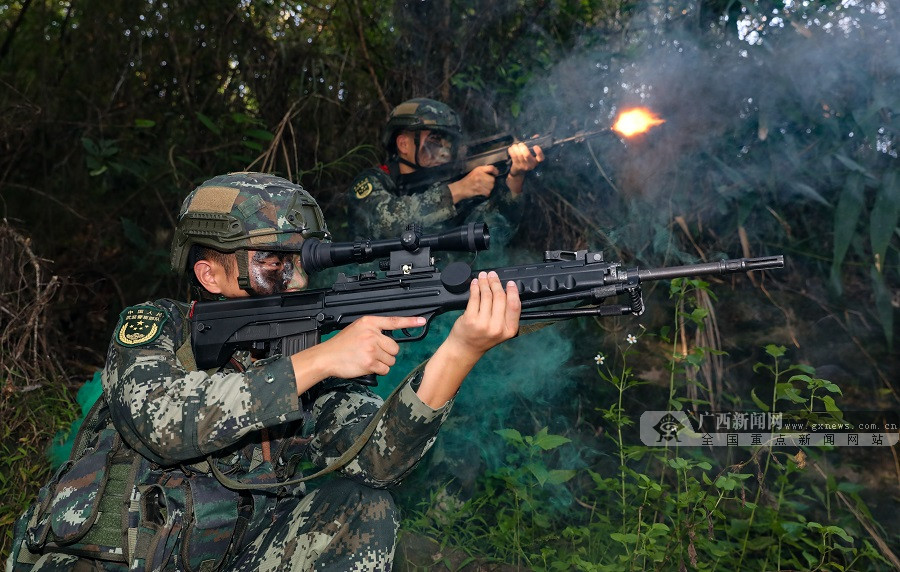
[[243, 271], [408, 164], [417, 142]]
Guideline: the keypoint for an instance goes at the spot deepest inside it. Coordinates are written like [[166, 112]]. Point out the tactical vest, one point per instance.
[[91, 508], [108, 502]]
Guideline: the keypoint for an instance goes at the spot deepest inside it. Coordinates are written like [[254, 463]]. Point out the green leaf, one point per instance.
[[807, 369], [726, 483], [539, 471], [548, 442], [811, 193], [629, 538], [852, 165], [775, 351], [240, 118], [559, 476], [678, 463], [810, 559], [144, 123], [664, 333], [789, 392], [792, 528], [846, 217], [208, 123], [737, 178], [885, 215], [758, 401], [134, 234], [90, 146], [511, 436], [851, 488], [883, 305], [833, 388], [260, 134], [837, 530], [830, 405]]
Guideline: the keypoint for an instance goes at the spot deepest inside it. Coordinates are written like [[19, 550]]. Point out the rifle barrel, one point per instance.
[[577, 138], [721, 267]]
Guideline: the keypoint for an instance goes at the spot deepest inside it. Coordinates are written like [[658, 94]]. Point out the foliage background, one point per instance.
[[780, 137]]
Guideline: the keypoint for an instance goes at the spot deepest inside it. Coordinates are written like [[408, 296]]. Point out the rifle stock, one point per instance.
[[412, 286]]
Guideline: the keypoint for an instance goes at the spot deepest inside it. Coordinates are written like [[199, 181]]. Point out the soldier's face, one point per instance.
[[434, 149], [275, 272]]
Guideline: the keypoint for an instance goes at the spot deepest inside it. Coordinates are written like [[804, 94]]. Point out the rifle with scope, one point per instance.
[[409, 284]]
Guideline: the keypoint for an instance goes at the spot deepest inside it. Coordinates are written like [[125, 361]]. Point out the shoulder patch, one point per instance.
[[139, 325], [363, 188]]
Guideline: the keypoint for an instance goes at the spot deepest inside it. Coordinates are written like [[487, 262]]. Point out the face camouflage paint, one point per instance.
[[276, 272], [435, 150]]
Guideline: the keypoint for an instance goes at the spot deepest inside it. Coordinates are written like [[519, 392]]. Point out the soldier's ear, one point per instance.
[[404, 143], [211, 275]]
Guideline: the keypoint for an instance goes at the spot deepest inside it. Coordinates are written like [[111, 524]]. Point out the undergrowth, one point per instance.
[[30, 420], [663, 505]]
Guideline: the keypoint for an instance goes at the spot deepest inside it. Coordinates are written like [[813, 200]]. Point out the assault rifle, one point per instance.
[[412, 286], [488, 151]]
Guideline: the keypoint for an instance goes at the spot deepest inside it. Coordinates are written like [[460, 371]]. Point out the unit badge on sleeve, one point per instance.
[[139, 325], [363, 188]]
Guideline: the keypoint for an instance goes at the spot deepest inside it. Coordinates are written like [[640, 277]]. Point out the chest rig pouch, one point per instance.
[[83, 509], [109, 503]]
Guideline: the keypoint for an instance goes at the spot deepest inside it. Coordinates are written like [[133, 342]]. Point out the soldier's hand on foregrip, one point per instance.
[[479, 182], [359, 349], [491, 316], [523, 158]]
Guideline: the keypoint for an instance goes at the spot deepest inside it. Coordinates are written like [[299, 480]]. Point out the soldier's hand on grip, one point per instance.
[[479, 182]]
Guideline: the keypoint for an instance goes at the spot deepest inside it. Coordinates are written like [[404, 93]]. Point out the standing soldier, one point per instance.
[[422, 134], [188, 470]]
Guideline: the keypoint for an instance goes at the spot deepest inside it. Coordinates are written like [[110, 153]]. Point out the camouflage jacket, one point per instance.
[[171, 415], [377, 209], [160, 425]]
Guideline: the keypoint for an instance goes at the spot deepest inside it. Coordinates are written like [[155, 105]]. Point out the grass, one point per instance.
[[30, 421]]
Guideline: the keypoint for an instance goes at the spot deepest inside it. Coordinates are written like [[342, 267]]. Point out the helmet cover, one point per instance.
[[419, 114], [246, 211]]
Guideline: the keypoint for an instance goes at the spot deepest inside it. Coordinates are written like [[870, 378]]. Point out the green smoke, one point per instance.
[[528, 374], [62, 442]]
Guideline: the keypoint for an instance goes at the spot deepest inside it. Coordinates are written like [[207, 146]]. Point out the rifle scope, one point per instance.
[[316, 255]]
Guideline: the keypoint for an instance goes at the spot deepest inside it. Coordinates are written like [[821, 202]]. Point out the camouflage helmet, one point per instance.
[[417, 114], [246, 211]]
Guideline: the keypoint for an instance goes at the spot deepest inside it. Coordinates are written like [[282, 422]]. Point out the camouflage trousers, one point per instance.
[[341, 526]]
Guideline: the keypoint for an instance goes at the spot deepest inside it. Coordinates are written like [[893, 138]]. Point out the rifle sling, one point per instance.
[[340, 462], [185, 354], [347, 455], [531, 328]]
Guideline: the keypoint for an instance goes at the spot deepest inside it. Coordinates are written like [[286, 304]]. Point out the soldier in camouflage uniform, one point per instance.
[[421, 134], [180, 469]]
